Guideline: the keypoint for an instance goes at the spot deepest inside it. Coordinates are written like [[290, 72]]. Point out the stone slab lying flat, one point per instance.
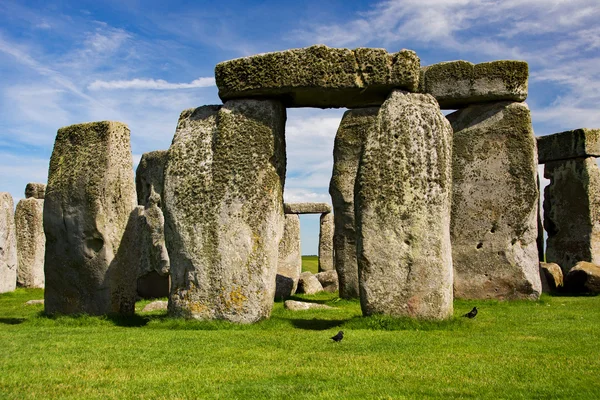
[[320, 76], [302, 305], [570, 144], [457, 84], [306, 208]]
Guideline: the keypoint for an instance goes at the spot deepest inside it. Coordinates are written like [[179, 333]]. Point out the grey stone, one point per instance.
[[319, 76], [293, 305], [329, 280], [326, 242], [158, 305], [457, 84], [306, 208], [403, 211], [289, 264], [584, 277], [349, 142], [224, 216], [8, 244], [494, 204], [90, 201], [572, 212], [35, 190], [31, 242], [34, 302], [155, 257], [551, 276], [570, 144], [149, 176], [309, 284]]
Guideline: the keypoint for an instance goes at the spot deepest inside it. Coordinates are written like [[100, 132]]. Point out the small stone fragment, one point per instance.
[[326, 242], [306, 208], [34, 302], [584, 277], [158, 305], [8, 244], [570, 144], [294, 305], [329, 280], [309, 284], [551, 276]]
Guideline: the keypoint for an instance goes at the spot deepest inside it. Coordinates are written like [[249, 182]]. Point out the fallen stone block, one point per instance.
[[306, 208], [551, 276], [584, 277], [567, 145], [158, 305], [329, 280], [293, 305], [34, 302], [308, 284]]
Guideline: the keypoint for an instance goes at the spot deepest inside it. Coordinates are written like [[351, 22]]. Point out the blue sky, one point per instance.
[[143, 62]]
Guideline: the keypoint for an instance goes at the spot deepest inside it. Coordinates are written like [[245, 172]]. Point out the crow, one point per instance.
[[472, 313], [338, 337]]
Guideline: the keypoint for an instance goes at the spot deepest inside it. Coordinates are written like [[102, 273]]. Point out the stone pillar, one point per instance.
[[347, 149], [326, 242], [224, 210], [403, 210], [289, 265], [541, 242], [8, 244], [494, 204], [31, 241], [90, 201]]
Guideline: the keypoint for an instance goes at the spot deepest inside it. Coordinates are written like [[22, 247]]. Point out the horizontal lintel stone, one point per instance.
[[569, 144], [306, 208]]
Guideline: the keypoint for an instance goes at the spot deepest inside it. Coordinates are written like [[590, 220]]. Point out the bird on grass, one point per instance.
[[338, 337], [472, 313]]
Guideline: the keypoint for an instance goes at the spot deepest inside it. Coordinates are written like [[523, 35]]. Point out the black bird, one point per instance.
[[338, 337], [472, 313]]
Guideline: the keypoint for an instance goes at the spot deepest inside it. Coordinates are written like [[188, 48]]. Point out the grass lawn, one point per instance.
[[310, 263], [546, 349]]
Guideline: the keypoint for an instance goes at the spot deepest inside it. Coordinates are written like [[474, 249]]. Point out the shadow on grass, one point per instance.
[[316, 324], [130, 321], [12, 321], [305, 300], [388, 323]]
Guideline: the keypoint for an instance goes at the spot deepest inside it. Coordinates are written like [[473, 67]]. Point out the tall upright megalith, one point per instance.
[[347, 149], [8, 244], [289, 265], [326, 242], [89, 202], [403, 210], [224, 216], [494, 205], [31, 241]]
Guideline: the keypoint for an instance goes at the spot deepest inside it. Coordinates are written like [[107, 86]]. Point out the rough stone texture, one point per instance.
[[319, 76], [457, 84], [8, 244], [584, 277], [293, 305], [551, 276], [224, 210], [403, 211], [31, 242], [349, 142], [572, 212], [541, 240], [570, 144], [326, 242], [309, 284], [306, 208], [34, 302], [35, 190], [329, 280], [494, 204], [289, 265], [159, 305], [89, 210], [149, 176]]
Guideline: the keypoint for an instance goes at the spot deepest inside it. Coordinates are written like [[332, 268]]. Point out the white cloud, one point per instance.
[[152, 84], [297, 195]]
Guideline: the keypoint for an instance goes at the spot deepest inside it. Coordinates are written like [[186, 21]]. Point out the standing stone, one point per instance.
[[31, 241], [551, 276], [149, 175], [494, 204], [90, 199], [572, 212], [403, 210], [35, 190], [8, 244], [224, 210], [347, 149], [289, 265], [326, 242]]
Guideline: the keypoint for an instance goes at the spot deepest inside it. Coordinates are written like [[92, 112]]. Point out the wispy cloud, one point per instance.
[[152, 84]]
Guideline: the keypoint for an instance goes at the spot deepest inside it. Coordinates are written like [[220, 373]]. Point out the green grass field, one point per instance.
[[543, 350], [310, 263]]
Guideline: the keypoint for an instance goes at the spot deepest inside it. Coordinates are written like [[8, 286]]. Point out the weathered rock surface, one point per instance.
[[551, 276], [584, 277], [34, 302], [403, 210], [349, 142], [494, 205], [224, 216], [158, 305], [329, 280], [8, 244], [457, 84], [306, 208], [90, 199], [309, 284], [31, 242], [149, 176], [572, 212], [326, 242], [35, 190], [319, 76], [570, 144], [289, 265], [293, 305]]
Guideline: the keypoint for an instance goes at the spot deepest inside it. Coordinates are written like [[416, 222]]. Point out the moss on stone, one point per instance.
[[569, 144]]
